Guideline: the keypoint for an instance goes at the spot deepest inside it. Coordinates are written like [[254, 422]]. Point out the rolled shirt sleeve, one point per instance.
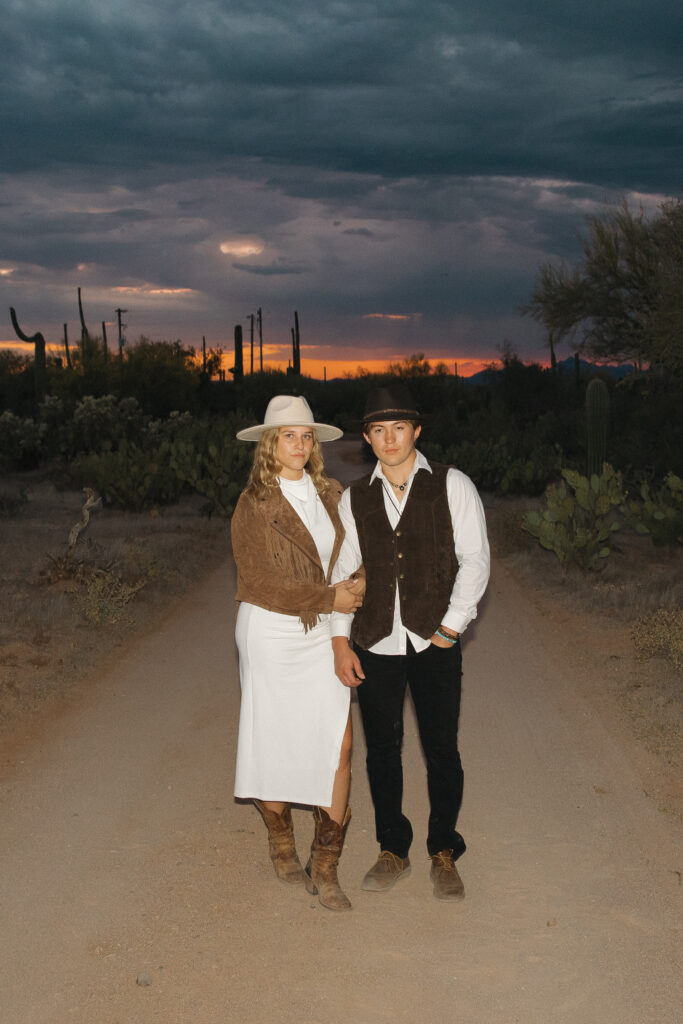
[[471, 548]]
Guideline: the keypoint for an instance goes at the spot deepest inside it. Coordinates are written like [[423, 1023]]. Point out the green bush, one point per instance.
[[213, 463], [494, 466], [21, 441], [170, 457], [99, 424], [132, 477]]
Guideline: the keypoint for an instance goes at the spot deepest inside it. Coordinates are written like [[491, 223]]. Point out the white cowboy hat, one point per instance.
[[289, 411]]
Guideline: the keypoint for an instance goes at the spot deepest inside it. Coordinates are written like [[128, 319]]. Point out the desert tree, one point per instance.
[[622, 301], [415, 365]]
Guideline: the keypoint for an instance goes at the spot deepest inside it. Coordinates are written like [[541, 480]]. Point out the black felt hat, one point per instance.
[[392, 403]]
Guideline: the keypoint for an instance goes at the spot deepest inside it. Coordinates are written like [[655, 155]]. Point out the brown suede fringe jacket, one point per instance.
[[278, 566]]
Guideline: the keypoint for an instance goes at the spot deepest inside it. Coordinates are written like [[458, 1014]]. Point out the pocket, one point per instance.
[[445, 650]]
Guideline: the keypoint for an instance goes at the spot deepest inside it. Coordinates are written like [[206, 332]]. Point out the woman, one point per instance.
[[294, 741]]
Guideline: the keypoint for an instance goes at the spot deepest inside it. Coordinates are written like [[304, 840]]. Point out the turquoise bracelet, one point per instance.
[[444, 636]]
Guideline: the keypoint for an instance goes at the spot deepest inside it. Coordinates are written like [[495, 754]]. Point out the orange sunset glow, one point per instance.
[[319, 369]]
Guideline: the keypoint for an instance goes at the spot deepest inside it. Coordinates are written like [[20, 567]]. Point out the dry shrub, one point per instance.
[[660, 635], [105, 596]]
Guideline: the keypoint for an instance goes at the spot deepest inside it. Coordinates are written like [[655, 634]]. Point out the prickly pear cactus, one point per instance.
[[578, 520], [658, 512]]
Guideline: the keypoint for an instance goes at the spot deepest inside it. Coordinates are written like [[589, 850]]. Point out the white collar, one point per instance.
[[419, 463]]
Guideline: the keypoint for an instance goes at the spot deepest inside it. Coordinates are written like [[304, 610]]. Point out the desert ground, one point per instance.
[[135, 889]]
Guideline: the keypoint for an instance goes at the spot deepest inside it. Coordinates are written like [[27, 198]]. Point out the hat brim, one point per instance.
[[323, 431], [390, 416]]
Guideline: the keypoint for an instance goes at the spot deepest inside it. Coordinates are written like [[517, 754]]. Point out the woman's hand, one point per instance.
[[348, 595]]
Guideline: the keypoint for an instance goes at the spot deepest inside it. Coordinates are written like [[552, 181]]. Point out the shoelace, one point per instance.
[[445, 859]]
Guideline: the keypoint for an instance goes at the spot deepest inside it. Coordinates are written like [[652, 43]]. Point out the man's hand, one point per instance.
[[346, 662], [439, 641]]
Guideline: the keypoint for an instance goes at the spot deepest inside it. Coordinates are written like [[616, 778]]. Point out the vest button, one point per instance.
[[398, 533], [400, 554], [401, 575]]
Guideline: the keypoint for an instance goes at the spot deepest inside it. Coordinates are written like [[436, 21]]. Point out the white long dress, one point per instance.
[[294, 708]]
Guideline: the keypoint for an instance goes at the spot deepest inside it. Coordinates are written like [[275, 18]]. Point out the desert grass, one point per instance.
[[632, 610], [63, 612], [637, 578]]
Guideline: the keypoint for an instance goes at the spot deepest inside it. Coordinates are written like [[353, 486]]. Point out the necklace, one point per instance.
[[392, 501], [399, 487]]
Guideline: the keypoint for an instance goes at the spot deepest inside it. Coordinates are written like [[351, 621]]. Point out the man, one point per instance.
[[418, 528]]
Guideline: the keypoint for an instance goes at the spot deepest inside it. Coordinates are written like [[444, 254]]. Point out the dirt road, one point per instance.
[[134, 889]]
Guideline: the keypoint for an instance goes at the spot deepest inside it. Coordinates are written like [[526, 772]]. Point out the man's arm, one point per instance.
[[346, 662], [472, 551]]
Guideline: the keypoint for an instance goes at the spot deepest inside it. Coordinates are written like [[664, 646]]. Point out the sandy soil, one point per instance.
[[134, 888]]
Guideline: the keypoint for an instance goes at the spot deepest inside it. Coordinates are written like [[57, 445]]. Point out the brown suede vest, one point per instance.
[[418, 555]]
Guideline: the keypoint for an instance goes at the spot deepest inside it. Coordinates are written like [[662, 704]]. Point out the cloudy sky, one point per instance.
[[394, 170]]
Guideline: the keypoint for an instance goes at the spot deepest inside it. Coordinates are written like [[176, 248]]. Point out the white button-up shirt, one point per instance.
[[471, 549]]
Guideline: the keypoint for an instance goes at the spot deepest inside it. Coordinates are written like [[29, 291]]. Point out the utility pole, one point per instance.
[[259, 317], [251, 349], [296, 346], [122, 340]]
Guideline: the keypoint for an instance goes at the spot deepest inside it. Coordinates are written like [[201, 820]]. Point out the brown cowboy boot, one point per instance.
[[281, 843], [321, 870]]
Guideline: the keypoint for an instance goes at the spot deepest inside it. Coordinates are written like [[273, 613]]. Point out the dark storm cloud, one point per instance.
[[393, 157], [392, 88], [271, 270]]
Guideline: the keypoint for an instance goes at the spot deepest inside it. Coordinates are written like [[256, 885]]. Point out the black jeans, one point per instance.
[[434, 677]]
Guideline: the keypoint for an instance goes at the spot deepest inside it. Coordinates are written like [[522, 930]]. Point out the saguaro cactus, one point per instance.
[[67, 351], [238, 369], [597, 416], [39, 363]]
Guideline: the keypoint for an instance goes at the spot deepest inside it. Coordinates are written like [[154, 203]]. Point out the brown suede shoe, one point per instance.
[[385, 872], [445, 878]]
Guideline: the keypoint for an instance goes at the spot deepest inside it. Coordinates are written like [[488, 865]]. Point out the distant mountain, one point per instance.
[[614, 370], [586, 369]]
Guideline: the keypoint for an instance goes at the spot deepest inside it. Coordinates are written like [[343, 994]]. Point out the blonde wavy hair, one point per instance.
[[265, 468]]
